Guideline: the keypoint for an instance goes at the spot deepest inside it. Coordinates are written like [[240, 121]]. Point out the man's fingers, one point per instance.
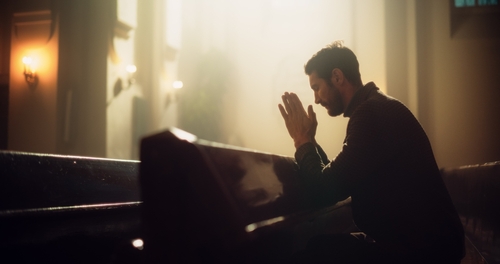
[[286, 103], [311, 113], [283, 112], [293, 106], [297, 104]]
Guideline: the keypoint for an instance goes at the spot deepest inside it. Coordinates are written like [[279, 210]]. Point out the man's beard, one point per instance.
[[336, 106]]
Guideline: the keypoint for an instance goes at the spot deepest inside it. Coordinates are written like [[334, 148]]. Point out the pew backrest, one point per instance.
[[202, 196], [32, 180], [475, 191], [56, 208]]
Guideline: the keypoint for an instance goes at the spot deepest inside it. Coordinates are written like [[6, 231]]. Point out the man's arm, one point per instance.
[[322, 153], [367, 147], [318, 177], [362, 152], [302, 128]]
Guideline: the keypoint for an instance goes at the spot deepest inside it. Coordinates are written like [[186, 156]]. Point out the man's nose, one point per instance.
[[316, 98]]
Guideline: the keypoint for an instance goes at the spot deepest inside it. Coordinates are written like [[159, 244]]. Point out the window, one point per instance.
[[472, 3], [474, 18]]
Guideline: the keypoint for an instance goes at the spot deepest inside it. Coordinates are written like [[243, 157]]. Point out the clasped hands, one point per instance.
[[301, 125]]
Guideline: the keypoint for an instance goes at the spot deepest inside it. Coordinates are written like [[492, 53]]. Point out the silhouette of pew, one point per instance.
[[205, 202], [475, 191], [66, 209]]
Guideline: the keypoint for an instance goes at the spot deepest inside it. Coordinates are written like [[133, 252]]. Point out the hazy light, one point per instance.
[[131, 68], [181, 134], [29, 64], [138, 243], [27, 60], [177, 84]]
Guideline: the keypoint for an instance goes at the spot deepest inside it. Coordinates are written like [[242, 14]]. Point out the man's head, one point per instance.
[[334, 76], [334, 56]]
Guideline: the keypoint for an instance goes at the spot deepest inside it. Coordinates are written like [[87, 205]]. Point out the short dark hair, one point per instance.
[[335, 55]]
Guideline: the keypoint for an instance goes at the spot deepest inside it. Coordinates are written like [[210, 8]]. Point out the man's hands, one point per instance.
[[301, 125]]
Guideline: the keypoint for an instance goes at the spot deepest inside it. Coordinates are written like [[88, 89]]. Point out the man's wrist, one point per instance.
[[303, 150], [300, 142]]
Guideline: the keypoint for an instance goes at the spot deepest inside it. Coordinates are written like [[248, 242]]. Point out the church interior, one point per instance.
[[92, 79]]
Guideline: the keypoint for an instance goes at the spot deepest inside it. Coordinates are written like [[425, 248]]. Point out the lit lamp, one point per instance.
[[177, 84], [131, 69], [29, 73], [172, 95]]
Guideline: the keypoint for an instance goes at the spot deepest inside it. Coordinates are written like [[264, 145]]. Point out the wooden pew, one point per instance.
[[475, 191], [211, 203], [66, 209], [205, 201]]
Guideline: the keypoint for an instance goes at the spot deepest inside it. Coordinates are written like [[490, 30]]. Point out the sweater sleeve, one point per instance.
[[322, 154]]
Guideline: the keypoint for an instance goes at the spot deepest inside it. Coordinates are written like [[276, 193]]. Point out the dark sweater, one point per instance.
[[387, 167]]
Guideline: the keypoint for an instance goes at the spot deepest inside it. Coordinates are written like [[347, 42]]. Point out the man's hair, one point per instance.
[[334, 56]]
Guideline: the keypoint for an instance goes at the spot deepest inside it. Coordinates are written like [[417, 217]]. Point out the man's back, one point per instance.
[[401, 200]]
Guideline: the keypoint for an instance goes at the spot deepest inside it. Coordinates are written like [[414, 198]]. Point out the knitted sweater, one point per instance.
[[388, 168]]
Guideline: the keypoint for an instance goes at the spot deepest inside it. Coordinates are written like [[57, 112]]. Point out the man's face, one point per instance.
[[326, 94]]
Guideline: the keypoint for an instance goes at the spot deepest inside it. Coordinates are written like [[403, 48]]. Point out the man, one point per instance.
[[386, 165]]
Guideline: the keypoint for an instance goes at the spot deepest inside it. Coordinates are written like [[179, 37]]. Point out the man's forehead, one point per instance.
[[313, 78]]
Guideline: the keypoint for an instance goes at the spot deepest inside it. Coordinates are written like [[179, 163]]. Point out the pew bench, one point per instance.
[[193, 201], [66, 209], [475, 191], [205, 202], [223, 203], [196, 201]]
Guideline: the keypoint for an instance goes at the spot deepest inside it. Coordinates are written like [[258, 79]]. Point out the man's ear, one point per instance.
[[337, 76]]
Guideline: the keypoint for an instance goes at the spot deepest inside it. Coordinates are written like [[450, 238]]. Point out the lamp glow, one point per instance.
[[27, 60], [138, 243], [29, 73], [177, 84], [131, 68]]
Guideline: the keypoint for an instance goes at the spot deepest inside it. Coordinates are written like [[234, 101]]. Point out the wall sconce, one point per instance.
[[172, 96], [177, 84], [131, 69], [29, 73]]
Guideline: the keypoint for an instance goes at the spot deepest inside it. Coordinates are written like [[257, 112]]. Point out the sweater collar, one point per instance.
[[359, 97]]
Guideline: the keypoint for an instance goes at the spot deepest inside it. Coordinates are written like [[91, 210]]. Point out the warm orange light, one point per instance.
[[27, 60], [29, 72]]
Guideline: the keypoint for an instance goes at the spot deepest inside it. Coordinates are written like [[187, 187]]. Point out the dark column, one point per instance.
[[86, 27]]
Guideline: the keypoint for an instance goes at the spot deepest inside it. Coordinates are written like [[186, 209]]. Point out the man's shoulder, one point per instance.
[[382, 109], [380, 102]]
